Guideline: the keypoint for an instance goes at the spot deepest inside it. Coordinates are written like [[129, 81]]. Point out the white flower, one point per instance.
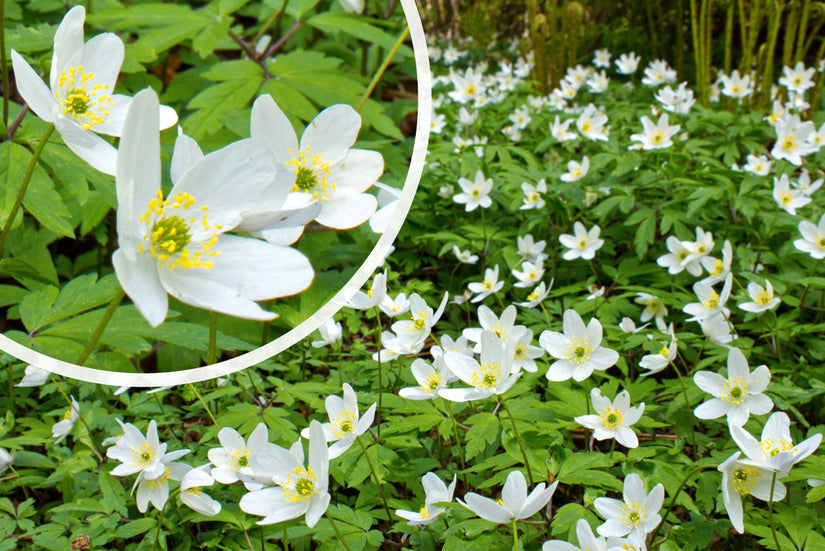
[[656, 136], [345, 424], [446, 191], [718, 329], [577, 350], [583, 244], [192, 496], [395, 307], [813, 238], [598, 82], [474, 194], [718, 269], [710, 302], [530, 249], [353, 6], [680, 257], [735, 86], [503, 327], [559, 130], [654, 363], [628, 63], [331, 332], [658, 72], [532, 195], [601, 58], [775, 452], [494, 374], [637, 514], [737, 396], [62, 428], [792, 139], [591, 124], [536, 296], [81, 102], [233, 461], [388, 198], [465, 257], [740, 479], [576, 171], [468, 86], [587, 540], [653, 306], [328, 171], [178, 245], [34, 376], [613, 419], [797, 79], [301, 490], [628, 326], [139, 454], [412, 333], [530, 273], [677, 101], [435, 491], [760, 165], [520, 118], [430, 378], [763, 298], [805, 185], [488, 286], [374, 295], [515, 503], [787, 199]]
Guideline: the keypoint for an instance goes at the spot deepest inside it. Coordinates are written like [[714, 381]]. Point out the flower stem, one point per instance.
[[770, 513], [213, 337], [25, 184], [377, 480], [380, 372], [101, 325], [3, 67], [205, 407], [515, 535], [383, 68], [338, 532], [457, 440], [518, 439], [160, 522], [286, 539], [11, 380], [673, 500]]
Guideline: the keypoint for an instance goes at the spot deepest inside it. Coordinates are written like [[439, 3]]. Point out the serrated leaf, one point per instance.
[[214, 102], [46, 205], [358, 27], [80, 294], [36, 306]]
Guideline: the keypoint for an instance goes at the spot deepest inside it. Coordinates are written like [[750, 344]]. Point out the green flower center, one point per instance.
[[311, 173]]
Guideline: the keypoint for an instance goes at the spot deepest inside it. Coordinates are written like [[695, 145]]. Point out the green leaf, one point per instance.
[[36, 306], [45, 204], [208, 39], [214, 102], [358, 27], [131, 529], [81, 294]]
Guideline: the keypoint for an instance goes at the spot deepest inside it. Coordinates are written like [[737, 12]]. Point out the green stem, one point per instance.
[[518, 439], [19, 482], [673, 499], [770, 513], [101, 325], [382, 68], [377, 480], [213, 337], [160, 523], [515, 535], [205, 407], [269, 22], [380, 373], [813, 272], [25, 184], [11, 380], [338, 532], [286, 539], [687, 405], [457, 440], [265, 324]]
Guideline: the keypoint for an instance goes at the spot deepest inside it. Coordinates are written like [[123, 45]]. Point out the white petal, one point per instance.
[[332, 132], [87, 145], [270, 125], [34, 91], [68, 43], [102, 56], [187, 153], [139, 279], [359, 170], [343, 212]]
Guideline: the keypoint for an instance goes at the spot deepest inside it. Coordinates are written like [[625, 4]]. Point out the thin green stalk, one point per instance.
[[697, 49], [25, 184], [3, 65], [457, 440], [770, 513], [728, 38], [377, 480], [673, 500], [19, 482], [101, 325], [383, 68], [813, 272], [773, 33], [338, 532], [518, 439], [340, 368], [269, 22], [380, 373], [245, 534], [790, 29], [803, 30], [205, 407], [11, 382], [515, 535], [265, 324], [213, 337], [286, 539], [160, 523]]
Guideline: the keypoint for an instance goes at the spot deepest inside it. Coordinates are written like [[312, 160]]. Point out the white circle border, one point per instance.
[[220, 369]]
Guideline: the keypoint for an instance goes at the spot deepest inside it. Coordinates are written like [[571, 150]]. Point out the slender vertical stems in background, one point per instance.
[[770, 513], [697, 49], [681, 47], [24, 184], [377, 480], [728, 37], [687, 405], [205, 407], [11, 388], [338, 532], [774, 22], [457, 440], [213, 337], [790, 29], [673, 499], [803, 31], [383, 68], [273, 20]]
